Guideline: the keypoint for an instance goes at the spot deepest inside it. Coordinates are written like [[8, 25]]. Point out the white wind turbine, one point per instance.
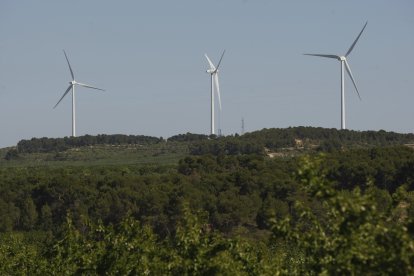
[[72, 86], [213, 71], [343, 61]]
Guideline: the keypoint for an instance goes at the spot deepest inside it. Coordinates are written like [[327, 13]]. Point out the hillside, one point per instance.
[[291, 201], [138, 149]]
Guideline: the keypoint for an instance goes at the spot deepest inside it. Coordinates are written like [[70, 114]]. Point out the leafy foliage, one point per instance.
[[351, 237]]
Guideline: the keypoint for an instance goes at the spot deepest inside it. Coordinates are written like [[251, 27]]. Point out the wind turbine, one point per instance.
[[344, 63], [213, 71], [72, 85]]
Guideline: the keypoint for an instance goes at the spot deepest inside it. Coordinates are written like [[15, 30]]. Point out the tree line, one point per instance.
[[307, 138], [256, 142], [61, 144]]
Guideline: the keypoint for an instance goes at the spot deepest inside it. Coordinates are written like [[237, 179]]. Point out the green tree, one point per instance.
[[9, 215], [11, 155], [20, 256], [46, 218], [353, 238], [28, 217]]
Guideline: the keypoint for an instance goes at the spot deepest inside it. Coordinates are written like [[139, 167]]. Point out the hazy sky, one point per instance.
[[149, 56]]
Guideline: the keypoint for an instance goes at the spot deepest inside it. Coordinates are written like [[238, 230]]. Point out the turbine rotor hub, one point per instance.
[[342, 58]]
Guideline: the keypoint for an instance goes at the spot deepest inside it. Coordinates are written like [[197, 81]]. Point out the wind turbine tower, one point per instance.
[[72, 85], [344, 64], [213, 71]]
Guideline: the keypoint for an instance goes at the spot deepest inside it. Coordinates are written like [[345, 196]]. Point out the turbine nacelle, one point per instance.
[[342, 58]]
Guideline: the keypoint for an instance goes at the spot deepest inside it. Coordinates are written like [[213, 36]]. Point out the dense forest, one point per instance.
[[277, 201]]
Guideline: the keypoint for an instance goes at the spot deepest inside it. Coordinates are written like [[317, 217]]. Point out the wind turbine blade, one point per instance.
[[212, 67], [70, 68], [326, 56], [216, 81], [348, 69], [64, 94], [218, 65], [88, 86], [353, 44]]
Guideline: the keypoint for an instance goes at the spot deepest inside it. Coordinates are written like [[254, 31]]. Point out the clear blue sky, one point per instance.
[[148, 55]]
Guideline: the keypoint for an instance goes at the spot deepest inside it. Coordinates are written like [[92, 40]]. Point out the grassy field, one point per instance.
[[167, 153]]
